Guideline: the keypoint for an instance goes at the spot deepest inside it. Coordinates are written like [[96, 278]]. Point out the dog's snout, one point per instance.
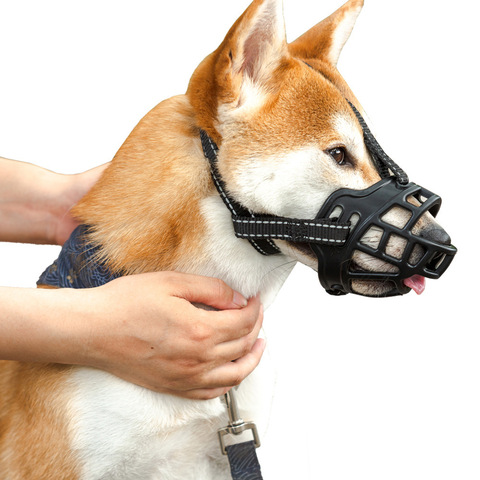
[[436, 234]]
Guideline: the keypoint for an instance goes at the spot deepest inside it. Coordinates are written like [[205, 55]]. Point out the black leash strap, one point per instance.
[[244, 462], [260, 229]]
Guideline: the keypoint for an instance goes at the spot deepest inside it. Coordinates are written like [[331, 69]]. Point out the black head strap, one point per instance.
[[210, 149], [383, 162], [260, 229]]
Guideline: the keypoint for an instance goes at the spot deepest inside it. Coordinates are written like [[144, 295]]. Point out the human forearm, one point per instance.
[[35, 202], [43, 325], [142, 328], [25, 215]]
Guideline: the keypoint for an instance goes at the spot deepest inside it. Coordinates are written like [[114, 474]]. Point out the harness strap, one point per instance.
[[243, 461], [259, 229], [78, 264]]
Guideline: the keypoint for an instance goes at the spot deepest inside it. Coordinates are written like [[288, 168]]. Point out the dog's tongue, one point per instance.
[[416, 283]]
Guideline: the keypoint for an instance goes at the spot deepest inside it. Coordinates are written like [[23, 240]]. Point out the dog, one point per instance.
[[287, 140]]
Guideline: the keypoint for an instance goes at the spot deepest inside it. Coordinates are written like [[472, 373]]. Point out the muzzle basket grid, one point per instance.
[[367, 210]]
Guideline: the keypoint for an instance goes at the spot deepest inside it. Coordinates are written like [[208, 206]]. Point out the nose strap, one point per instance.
[[260, 229]]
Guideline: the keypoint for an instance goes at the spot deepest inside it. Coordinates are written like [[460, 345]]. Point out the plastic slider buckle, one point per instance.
[[236, 424]]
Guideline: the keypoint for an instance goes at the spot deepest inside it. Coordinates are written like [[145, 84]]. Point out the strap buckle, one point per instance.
[[236, 425]]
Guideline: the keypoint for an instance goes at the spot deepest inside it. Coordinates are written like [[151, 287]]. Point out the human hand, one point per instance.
[[35, 203], [148, 332], [71, 189]]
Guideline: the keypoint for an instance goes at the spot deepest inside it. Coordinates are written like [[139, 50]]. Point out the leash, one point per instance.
[[242, 457]]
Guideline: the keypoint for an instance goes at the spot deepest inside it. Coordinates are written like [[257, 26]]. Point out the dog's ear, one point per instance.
[[256, 43], [235, 73], [326, 39]]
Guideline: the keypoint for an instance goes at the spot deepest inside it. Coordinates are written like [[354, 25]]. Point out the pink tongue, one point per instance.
[[416, 283]]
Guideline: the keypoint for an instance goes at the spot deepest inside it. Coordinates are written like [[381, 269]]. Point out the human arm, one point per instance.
[[161, 341], [110, 327], [35, 202]]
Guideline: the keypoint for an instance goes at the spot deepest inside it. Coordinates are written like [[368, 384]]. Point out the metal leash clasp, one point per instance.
[[236, 425]]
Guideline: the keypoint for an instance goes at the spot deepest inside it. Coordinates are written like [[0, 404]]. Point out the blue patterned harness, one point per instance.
[[78, 265]]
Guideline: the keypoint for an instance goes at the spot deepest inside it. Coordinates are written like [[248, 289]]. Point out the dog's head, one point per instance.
[[288, 137]]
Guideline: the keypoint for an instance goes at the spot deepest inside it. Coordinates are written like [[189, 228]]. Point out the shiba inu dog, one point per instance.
[[280, 121]]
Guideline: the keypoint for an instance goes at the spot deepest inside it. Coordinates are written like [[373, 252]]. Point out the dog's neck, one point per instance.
[[166, 213]]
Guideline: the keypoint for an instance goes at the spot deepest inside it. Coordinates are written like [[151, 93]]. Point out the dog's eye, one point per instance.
[[339, 154]]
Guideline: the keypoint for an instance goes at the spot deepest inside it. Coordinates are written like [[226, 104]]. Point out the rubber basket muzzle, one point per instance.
[[367, 211]]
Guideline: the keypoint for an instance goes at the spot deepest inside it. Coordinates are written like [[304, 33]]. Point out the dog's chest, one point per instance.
[[121, 431], [124, 432]]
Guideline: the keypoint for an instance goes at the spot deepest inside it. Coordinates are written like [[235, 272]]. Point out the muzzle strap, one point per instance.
[[384, 163], [260, 229], [307, 231], [263, 245]]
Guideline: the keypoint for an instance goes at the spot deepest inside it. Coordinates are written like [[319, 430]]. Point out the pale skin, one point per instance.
[[155, 337]]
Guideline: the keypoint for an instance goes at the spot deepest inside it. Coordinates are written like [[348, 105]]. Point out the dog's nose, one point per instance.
[[436, 234]]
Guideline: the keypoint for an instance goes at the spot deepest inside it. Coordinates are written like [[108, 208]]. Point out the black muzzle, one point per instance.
[[384, 224], [352, 224]]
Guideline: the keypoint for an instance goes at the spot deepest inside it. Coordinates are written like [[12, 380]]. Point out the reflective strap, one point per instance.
[[307, 231], [262, 245], [383, 161], [243, 461]]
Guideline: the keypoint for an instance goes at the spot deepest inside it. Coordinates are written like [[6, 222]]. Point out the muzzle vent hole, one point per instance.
[[435, 262], [417, 254], [396, 246], [336, 213], [354, 220], [414, 200], [397, 216], [372, 237], [364, 262]]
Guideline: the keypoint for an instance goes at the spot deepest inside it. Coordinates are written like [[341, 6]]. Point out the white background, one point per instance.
[[377, 389]]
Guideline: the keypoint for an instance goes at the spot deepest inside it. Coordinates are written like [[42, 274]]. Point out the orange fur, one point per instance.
[[34, 423], [141, 209]]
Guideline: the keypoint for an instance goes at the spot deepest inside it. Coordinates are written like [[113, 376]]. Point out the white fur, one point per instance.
[[122, 431], [297, 175], [125, 432], [235, 261]]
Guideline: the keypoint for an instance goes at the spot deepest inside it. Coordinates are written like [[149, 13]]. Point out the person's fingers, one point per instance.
[[208, 291], [232, 325], [233, 373], [239, 346], [202, 393]]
